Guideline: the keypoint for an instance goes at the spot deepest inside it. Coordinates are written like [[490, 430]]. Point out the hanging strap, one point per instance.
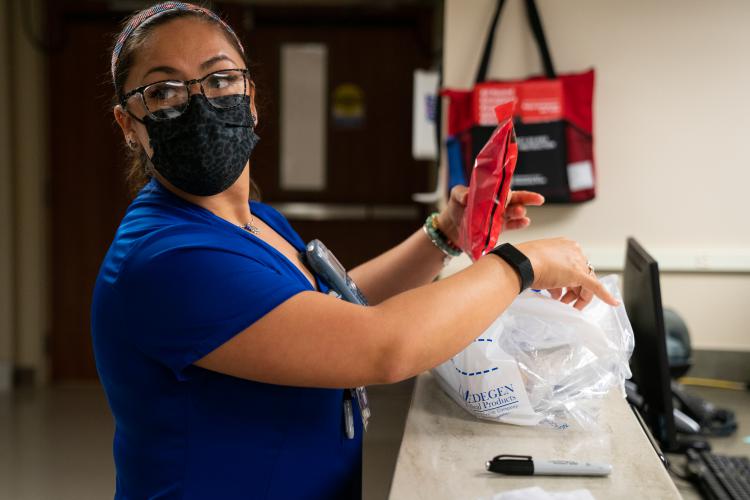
[[535, 22], [488, 43], [532, 13]]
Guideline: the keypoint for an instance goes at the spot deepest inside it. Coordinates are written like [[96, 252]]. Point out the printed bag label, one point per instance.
[[536, 101]]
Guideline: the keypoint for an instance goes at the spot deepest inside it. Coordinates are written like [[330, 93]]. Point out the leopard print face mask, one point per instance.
[[204, 150]]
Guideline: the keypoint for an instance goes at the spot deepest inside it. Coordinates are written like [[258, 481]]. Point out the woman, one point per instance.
[[222, 361]]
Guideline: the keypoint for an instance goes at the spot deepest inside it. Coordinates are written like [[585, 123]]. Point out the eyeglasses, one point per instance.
[[168, 99]]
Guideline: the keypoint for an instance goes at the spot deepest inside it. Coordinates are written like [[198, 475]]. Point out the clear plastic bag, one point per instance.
[[544, 362]]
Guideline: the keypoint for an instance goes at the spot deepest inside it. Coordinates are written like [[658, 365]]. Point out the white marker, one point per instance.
[[523, 465]]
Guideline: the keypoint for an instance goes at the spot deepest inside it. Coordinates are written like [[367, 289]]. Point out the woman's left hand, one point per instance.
[[515, 213], [449, 220]]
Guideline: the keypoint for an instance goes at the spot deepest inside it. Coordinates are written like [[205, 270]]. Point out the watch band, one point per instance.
[[518, 261]]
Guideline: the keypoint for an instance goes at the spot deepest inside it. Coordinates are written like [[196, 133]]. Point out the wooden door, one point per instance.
[[87, 191], [369, 165]]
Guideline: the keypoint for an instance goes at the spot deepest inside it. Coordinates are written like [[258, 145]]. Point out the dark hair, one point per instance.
[[139, 165]]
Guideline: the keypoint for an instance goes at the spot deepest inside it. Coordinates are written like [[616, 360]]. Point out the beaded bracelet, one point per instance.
[[438, 238]]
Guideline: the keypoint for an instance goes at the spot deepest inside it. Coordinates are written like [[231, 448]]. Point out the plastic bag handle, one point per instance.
[[535, 22]]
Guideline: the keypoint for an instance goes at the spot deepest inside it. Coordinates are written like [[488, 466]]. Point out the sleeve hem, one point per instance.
[[232, 328]]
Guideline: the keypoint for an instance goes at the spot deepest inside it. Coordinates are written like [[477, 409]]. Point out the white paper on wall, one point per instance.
[[304, 69], [424, 143]]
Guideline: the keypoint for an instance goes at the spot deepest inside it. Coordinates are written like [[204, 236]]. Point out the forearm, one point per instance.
[[423, 327], [412, 263], [333, 343], [347, 345]]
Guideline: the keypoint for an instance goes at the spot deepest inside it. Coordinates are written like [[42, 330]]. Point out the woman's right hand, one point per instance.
[[558, 264]]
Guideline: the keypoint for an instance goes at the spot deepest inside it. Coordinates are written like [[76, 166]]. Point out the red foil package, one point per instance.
[[489, 187]]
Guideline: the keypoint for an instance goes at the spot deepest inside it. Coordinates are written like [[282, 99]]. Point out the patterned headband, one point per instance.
[[157, 10]]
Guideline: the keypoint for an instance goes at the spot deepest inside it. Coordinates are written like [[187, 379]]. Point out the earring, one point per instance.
[[131, 143]]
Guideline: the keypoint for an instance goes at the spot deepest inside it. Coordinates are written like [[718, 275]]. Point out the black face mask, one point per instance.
[[204, 150]]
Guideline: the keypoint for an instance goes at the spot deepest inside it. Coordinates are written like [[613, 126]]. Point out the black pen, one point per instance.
[[524, 465]]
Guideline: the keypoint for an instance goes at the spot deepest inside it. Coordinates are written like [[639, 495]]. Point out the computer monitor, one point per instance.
[[649, 363]]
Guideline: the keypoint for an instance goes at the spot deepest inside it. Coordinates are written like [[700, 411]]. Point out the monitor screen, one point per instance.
[[649, 363]]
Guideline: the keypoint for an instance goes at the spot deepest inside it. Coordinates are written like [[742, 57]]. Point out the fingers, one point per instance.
[[460, 194], [517, 223], [526, 198], [561, 267], [515, 211], [584, 298], [515, 217], [571, 294], [595, 286], [580, 296]]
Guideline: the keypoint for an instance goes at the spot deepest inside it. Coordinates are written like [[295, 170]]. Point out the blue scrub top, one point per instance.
[[177, 283]]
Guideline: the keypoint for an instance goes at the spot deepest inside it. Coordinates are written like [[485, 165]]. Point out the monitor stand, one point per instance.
[[685, 443]]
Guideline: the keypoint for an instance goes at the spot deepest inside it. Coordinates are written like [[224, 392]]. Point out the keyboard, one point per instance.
[[719, 477]]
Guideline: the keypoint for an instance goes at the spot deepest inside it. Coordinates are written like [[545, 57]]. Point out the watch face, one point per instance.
[[520, 263]]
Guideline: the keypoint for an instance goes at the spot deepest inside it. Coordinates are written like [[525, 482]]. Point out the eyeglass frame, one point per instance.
[[188, 84]]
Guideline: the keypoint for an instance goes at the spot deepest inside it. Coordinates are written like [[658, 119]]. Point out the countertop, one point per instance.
[[444, 450]]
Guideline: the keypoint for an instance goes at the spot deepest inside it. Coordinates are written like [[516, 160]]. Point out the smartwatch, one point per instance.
[[518, 261]]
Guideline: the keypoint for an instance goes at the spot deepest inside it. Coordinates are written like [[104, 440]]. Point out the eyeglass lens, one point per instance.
[[223, 89]]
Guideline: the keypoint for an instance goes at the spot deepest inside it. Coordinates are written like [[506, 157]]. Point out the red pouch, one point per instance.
[[489, 187]]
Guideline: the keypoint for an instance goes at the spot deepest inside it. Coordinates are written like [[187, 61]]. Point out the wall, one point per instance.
[[30, 88], [6, 214], [672, 111], [23, 221]]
